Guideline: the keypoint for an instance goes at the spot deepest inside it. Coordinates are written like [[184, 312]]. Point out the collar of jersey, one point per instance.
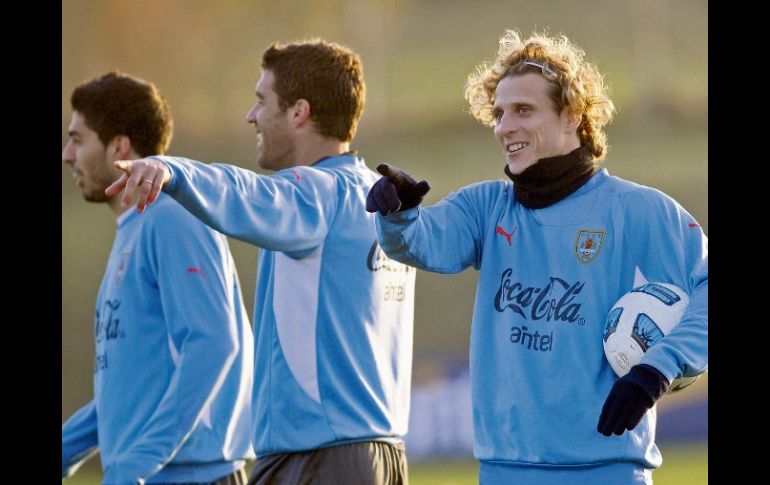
[[347, 158], [577, 207]]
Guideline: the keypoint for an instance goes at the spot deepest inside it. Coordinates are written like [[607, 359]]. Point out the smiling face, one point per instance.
[[89, 160], [275, 145], [527, 125]]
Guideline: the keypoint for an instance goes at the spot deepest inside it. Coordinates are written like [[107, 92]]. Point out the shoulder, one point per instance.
[[644, 206], [486, 189], [486, 193], [640, 199], [167, 218]]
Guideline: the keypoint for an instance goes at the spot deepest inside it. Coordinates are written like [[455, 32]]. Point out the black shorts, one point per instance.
[[364, 463], [237, 477]]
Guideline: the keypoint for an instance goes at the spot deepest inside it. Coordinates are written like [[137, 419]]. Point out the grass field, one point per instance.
[[682, 465]]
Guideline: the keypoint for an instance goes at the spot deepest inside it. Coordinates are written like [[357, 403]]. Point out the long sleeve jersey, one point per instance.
[[547, 279], [173, 367], [332, 314]]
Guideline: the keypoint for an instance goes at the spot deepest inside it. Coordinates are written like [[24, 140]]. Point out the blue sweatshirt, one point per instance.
[[173, 368], [332, 314], [548, 277]]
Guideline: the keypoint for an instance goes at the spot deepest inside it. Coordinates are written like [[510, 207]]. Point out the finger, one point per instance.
[[143, 193], [390, 195], [132, 188], [624, 417], [394, 174], [371, 200], [422, 187], [371, 205], [156, 186], [382, 203], [607, 417], [383, 168], [116, 186], [634, 417], [126, 166]]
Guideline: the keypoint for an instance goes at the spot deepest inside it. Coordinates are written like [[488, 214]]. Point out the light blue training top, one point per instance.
[[173, 369], [547, 279], [332, 314]]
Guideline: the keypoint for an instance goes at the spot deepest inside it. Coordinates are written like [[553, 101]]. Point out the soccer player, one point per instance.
[[555, 246], [332, 314], [173, 369]]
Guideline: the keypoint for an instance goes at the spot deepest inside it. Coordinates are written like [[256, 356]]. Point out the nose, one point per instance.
[[68, 154], [251, 116], [507, 124]]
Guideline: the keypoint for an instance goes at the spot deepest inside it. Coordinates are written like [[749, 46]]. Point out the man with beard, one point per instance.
[[333, 347], [173, 369]]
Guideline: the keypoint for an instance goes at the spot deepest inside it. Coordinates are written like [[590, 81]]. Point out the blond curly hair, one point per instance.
[[575, 83]]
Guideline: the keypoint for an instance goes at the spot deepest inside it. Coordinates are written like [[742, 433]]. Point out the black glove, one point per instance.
[[396, 191], [630, 397]]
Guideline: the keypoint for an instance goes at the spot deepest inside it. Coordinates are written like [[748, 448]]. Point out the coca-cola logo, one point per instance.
[[552, 302], [107, 322]]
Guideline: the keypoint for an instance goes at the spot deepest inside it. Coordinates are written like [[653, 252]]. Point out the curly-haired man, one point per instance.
[[555, 247]]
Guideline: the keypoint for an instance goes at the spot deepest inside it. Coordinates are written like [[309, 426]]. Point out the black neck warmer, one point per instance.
[[552, 179]]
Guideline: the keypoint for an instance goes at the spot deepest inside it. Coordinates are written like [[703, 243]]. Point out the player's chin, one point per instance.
[[518, 166], [95, 196]]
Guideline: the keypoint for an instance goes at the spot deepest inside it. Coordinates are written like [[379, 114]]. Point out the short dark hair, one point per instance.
[[119, 104], [329, 76]]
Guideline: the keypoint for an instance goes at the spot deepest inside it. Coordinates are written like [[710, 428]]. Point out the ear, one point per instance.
[[120, 147], [300, 113], [570, 120]]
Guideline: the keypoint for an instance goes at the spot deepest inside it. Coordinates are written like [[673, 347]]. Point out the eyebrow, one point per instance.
[[73, 133], [259, 95], [514, 105]]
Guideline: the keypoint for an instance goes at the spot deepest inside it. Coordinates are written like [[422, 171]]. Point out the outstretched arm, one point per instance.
[[444, 238], [290, 211]]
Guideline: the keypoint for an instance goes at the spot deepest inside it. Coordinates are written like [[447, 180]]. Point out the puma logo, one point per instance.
[[506, 235]]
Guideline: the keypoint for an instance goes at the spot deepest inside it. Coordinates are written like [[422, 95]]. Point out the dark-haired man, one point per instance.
[[173, 369], [332, 315]]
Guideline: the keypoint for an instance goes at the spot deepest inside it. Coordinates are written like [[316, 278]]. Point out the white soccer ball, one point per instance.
[[638, 320]]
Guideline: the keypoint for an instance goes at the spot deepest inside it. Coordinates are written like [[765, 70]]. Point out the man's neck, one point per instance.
[[311, 153], [118, 209]]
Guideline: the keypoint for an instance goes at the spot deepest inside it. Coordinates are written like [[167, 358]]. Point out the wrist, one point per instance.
[[650, 379]]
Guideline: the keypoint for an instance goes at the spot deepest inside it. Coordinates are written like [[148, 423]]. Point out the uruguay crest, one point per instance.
[[588, 244]]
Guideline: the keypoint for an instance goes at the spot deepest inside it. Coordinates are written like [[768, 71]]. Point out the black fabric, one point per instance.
[[364, 463], [396, 191], [237, 477], [630, 397], [552, 179]]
